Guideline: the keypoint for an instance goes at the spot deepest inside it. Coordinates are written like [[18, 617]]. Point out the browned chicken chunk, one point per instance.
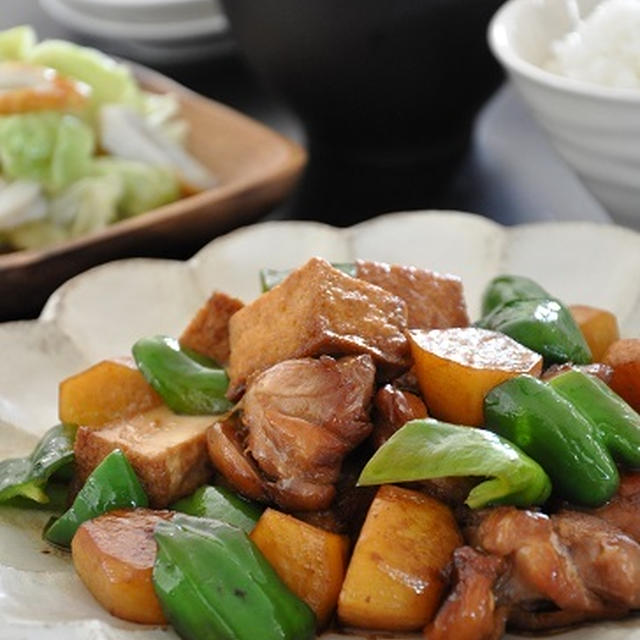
[[317, 310], [434, 300], [623, 510], [392, 409], [167, 451], [300, 419], [471, 612], [208, 331]]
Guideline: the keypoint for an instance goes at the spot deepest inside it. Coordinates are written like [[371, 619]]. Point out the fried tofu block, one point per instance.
[[110, 390], [208, 331], [317, 310], [434, 300], [168, 452]]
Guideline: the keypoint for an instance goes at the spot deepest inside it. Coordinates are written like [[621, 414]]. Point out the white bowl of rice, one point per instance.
[[577, 65]]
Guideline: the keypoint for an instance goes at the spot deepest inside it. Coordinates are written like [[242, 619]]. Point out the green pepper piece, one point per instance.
[[506, 288], [270, 278], [185, 383], [214, 584], [544, 325], [617, 423], [113, 484], [28, 477], [222, 504], [552, 431], [424, 449]]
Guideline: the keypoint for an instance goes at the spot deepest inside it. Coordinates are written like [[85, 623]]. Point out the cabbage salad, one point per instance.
[[81, 144]]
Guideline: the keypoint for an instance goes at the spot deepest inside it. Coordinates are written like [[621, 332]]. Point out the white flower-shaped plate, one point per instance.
[[103, 311]]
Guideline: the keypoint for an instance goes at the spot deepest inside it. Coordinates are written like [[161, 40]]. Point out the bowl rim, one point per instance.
[[513, 62]]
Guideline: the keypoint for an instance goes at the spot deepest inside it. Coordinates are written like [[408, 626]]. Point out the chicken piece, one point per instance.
[[542, 567], [392, 409], [317, 310], [471, 611], [168, 452], [225, 444], [607, 560], [208, 331], [303, 416], [434, 300], [623, 510]]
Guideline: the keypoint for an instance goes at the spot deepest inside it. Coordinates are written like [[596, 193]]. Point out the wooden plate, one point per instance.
[[256, 168]]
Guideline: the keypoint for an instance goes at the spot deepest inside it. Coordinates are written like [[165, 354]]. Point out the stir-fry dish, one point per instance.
[[82, 145], [349, 452]]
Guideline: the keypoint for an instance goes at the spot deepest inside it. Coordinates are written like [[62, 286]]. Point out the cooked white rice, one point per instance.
[[605, 48]]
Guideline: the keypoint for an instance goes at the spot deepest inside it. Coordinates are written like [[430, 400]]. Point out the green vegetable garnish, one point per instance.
[[28, 477], [113, 484], [425, 449], [214, 584], [551, 430], [184, 382], [521, 309], [218, 503], [616, 422]]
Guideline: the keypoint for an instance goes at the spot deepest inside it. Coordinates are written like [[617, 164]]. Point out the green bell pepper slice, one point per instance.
[[113, 484], [544, 325], [545, 425], [189, 384], [616, 422], [506, 288], [214, 584], [218, 503], [425, 449], [28, 477], [270, 278]]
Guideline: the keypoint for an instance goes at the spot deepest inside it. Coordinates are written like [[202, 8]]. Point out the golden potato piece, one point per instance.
[[208, 331], [310, 561], [114, 555], [317, 310], [623, 356], [599, 328], [456, 368], [110, 390], [395, 579]]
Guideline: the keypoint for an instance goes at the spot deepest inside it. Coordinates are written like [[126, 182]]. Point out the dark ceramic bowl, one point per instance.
[[391, 83]]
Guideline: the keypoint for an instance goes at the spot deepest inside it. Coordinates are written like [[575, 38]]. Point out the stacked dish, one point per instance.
[[155, 31]]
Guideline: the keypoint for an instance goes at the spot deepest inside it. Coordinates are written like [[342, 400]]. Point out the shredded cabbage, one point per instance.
[[52, 148], [145, 187], [17, 43], [110, 81]]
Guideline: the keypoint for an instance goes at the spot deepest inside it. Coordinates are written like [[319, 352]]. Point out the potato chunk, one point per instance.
[[395, 578], [434, 300], [317, 310], [208, 331], [168, 452], [110, 390], [623, 356], [456, 368], [599, 328], [310, 561], [114, 555]]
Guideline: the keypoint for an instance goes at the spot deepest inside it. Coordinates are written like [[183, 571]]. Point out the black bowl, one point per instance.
[[382, 83]]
